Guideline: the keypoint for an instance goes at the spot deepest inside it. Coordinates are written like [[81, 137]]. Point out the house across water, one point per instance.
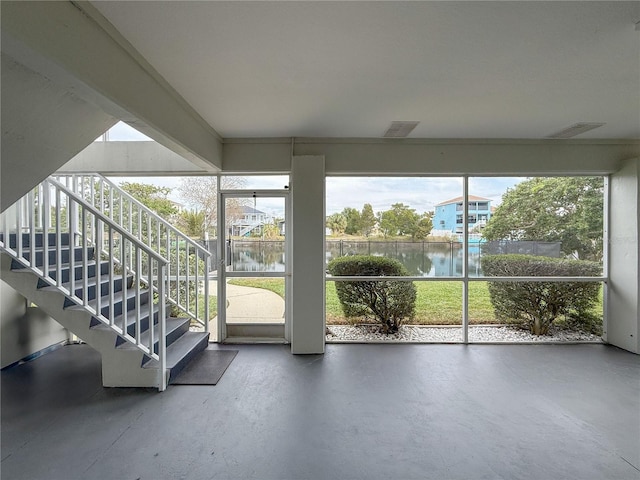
[[448, 215]]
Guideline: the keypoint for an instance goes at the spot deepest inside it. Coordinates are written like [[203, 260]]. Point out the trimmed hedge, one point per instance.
[[539, 304], [387, 302]]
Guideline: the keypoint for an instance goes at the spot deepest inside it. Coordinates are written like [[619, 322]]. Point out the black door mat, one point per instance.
[[206, 368]]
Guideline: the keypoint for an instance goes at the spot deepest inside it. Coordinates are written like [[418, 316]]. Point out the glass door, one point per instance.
[[253, 284]]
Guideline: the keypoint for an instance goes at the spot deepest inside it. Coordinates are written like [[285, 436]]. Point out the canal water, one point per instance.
[[426, 259]]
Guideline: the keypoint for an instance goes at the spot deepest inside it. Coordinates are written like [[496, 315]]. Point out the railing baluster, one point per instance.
[[149, 241], [168, 256], [130, 209], [58, 240], [99, 244], [101, 183], [206, 296], [92, 192], [111, 203], [85, 259], [137, 288], [73, 218], [162, 340], [188, 276], [112, 267], [18, 247], [150, 305], [197, 286], [32, 229], [45, 232], [120, 209], [5, 230], [125, 275], [177, 270], [72, 246], [139, 223]]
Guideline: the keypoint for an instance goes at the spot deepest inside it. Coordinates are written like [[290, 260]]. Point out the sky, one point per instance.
[[420, 193]]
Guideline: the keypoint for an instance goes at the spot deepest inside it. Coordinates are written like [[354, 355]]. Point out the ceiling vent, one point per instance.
[[576, 129], [400, 129]]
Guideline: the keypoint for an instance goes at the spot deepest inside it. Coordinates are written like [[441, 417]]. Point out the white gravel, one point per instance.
[[446, 334]]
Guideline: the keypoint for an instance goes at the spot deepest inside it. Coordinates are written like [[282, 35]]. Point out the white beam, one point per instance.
[[130, 158], [433, 156]]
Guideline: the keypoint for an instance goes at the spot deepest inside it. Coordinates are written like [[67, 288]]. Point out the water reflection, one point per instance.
[[257, 256], [428, 259]]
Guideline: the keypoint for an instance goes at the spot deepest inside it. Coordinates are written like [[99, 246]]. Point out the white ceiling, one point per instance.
[[347, 69]]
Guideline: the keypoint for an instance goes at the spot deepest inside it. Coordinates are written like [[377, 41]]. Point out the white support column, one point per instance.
[[623, 325], [308, 259]]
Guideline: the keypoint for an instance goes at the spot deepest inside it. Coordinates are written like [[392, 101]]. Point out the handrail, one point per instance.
[[56, 210], [139, 204], [185, 292], [132, 238]]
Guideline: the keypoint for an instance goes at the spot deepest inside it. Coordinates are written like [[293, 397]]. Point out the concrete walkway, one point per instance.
[[251, 305]]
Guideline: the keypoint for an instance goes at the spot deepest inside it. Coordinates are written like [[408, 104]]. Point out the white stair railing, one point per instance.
[[249, 228], [188, 286], [53, 209]]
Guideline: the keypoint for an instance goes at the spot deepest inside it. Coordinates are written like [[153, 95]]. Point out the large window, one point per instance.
[[499, 278]]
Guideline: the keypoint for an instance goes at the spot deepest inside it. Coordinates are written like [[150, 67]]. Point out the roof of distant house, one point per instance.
[[472, 198], [249, 210]]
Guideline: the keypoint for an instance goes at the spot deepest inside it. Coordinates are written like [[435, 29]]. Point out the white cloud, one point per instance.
[[420, 193]]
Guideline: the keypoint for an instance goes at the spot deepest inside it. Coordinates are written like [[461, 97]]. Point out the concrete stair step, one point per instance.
[[92, 282], [39, 239], [180, 352], [118, 300], [175, 328]]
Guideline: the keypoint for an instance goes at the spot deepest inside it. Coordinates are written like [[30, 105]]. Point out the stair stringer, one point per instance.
[[121, 366]]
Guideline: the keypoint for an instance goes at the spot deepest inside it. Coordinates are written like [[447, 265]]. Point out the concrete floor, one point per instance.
[[359, 412]]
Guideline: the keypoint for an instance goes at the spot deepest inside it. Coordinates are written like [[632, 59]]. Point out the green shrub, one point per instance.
[[389, 302], [538, 304]]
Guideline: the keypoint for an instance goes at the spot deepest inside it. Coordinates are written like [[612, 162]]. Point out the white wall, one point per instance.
[[623, 315], [43, 126], [134, 158], [72, 44], [24, 331]]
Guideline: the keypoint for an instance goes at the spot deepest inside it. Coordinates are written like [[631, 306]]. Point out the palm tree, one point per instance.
[[191, 222]]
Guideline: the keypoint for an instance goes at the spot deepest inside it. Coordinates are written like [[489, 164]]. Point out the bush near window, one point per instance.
[[538, 304], [388, 302]]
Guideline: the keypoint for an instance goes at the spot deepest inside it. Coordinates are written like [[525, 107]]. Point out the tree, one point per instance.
[[568, 210], [423, 227], [271, 231], [353, 221], [201, 192], [367, 220], [336, 223], [153, 197], [399, 220], [191, 222]]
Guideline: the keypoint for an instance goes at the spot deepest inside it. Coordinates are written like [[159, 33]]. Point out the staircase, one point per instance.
[[112, 272]]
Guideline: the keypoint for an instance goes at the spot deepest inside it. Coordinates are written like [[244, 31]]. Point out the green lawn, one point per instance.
[[213, 306], [274, 284], [437, 303]]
